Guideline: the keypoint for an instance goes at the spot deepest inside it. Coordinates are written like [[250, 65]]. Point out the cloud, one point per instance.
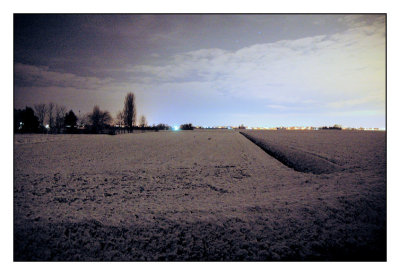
[[289, 79], [359, 20], [330, 70], [42, 76], [372, 101], [281, 107]]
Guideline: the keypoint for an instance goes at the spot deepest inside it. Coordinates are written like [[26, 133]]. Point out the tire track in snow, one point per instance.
[[296, 159]]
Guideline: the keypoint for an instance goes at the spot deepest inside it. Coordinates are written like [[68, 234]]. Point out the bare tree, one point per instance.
[[60, 114], [41, 110], [99, 119], [106, 118], [129, 111], [119, 119], [50, 114], [84, 120], [143, 121]]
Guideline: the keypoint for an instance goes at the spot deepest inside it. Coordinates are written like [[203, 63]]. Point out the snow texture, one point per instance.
[[198, 196]]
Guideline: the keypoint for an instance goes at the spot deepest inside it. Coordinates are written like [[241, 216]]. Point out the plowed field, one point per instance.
[[200, 195]]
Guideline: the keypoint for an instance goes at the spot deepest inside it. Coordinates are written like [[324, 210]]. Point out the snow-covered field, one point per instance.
[[198, 195]]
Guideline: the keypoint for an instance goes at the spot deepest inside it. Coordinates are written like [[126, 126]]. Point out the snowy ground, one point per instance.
[[197, 195]]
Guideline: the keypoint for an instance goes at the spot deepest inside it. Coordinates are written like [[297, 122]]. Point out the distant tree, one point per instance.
[[337, 127], [25, 121], [60, 115], [99, 119], [95, 118], [82, 119], [162, 126], [106, 118], [70, 119], [119, 120], [50, 114], [143, 121], [334, 127], [41, 110], [186, 126], [129, 111]]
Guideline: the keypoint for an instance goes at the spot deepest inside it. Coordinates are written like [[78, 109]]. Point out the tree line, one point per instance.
[[30, 120], [54, 118]]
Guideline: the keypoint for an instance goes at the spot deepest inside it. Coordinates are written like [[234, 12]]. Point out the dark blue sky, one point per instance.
[[259, 70]]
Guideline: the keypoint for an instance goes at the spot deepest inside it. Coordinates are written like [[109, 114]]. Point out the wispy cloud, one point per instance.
[[335, 66], [42, 76], [324, 69]]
